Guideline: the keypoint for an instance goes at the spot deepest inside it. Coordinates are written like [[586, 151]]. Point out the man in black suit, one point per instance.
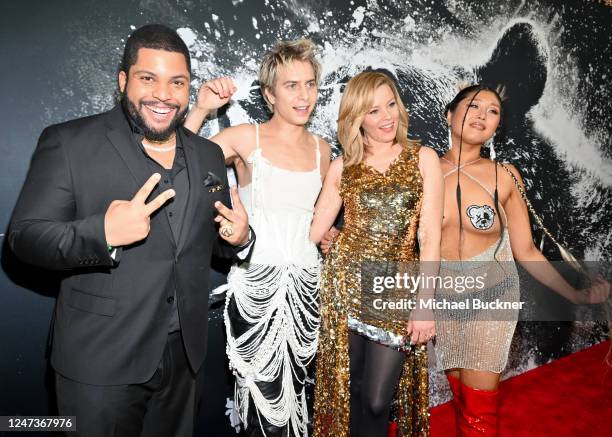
[[130, 326]]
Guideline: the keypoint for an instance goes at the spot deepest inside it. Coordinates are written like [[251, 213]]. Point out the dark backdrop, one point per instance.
[[60, 57]]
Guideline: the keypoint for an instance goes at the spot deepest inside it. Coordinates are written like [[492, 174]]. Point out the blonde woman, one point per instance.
[[390, 186], [272, 304]]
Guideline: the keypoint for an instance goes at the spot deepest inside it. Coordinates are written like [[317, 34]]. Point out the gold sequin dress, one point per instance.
[[381, 217]]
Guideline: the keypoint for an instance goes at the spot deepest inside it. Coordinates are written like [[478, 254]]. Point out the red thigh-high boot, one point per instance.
[[454, 384], [479, 410]]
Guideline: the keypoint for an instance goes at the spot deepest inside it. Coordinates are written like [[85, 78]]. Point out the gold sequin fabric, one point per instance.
[[380, 224]]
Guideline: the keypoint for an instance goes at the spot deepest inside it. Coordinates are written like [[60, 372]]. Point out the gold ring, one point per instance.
[[227, 229]]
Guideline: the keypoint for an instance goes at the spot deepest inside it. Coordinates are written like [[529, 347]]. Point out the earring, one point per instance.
[[489, 144], [450, 138]]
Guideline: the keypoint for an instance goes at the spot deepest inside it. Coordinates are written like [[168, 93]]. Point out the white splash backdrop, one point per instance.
[[441, 44]]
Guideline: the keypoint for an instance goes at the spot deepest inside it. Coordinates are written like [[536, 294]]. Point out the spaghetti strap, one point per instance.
[[318, 153], [477, 182], [256, 174], [256, 136], [448, 173]]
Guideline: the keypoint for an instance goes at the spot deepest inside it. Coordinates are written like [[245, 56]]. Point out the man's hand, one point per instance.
[[215, 93], [129, 221], [234, 222]]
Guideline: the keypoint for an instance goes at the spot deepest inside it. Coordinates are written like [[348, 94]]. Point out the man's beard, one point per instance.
[[150, 133]]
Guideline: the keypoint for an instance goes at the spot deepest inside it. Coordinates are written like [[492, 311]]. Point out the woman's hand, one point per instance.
[[598, 292], [421, 331]]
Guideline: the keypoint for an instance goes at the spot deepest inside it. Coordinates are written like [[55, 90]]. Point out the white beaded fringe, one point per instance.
[[290, 294]]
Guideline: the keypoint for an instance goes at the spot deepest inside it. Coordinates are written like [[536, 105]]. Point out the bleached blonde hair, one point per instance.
[[283, 54]]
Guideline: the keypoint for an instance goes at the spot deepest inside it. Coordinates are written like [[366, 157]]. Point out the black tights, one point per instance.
[[375, 371]]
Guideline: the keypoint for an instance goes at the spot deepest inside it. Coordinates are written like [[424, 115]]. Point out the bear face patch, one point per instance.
[[482, 217]]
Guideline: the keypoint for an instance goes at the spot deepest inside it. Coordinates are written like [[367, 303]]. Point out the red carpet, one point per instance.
[[571, 396]]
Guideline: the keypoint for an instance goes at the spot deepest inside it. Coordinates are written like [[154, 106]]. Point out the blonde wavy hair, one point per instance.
[[355, 104], [282, 54]]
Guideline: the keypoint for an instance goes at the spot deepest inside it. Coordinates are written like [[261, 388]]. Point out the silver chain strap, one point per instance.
[[565, 254]]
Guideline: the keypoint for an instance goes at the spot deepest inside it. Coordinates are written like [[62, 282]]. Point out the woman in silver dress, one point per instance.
[[485, 227]]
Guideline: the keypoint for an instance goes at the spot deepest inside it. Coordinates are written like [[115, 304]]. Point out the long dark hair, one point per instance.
[[451, 106]]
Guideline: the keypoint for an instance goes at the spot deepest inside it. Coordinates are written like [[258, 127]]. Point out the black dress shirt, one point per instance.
[[176, 178]]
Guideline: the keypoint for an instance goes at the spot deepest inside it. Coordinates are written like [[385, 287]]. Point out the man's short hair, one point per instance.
[[153, 36], [283, 53]]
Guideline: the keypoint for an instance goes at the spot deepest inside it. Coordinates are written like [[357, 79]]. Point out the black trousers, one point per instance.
[[164, 406]]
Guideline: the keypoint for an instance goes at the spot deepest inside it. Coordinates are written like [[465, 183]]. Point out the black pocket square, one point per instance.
[[213, 182]]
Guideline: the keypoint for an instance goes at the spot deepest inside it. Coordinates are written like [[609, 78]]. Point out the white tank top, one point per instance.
[[280, 204]]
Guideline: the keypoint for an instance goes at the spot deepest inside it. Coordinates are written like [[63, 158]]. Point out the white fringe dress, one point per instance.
[[272, 302]]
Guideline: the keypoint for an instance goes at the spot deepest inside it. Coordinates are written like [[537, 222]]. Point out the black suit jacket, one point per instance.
[[111, 319]]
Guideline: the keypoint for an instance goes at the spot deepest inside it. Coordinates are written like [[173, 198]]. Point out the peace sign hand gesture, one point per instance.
[[129, 221], [234, 222]]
